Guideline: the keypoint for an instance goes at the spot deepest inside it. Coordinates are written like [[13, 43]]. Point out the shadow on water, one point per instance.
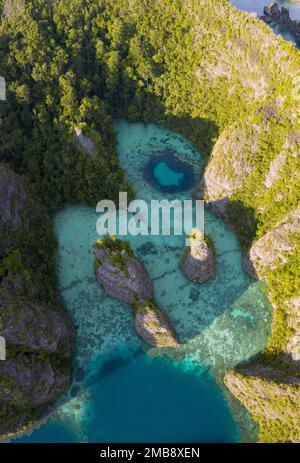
[[243, 220]]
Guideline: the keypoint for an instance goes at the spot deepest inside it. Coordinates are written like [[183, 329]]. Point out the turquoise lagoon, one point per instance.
[[121, 392]]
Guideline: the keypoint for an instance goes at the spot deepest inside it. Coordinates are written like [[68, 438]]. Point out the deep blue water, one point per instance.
[[119, 392], [155, 401], [146, 409], [169, 174]]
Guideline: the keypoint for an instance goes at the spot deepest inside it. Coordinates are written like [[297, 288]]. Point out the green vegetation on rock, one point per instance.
[[272, 395]]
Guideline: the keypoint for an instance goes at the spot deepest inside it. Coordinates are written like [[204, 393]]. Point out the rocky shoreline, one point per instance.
[[39, 335], [124, 278], [281, 16], [199, 261], [269, 385]]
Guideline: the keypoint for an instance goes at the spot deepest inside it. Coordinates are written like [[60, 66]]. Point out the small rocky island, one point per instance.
[[124, 278], [281, 16], [199, 261]]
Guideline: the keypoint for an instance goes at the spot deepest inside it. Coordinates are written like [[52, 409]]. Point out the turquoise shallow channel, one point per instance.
[[120, 392]]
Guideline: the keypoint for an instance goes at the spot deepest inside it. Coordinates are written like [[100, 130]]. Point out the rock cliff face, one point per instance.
[[274, 248], [85, 142], [199, 262], [28, 323], [153, 326], [293, 322], [239, 172], [226, 66], [13, 199], [32, 323], [228, 167], [27, 383], [124, 278], [242, 168], [272, 395], [272, 251], [282, 17]]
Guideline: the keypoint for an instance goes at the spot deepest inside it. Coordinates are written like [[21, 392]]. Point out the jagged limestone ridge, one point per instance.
[[252, 180], [281, 16], [272, 395]]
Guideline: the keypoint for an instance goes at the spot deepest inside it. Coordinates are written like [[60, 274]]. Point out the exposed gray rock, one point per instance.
[[33, 329], [273, 249], [249, 266], [27, 322], [31, 383], [153, 326], [293, 320], [125, 279], [281, 16], [199, 262], [258, 387], [128, 284], [13, 7], [34, 326], [13, 198], [85, 142], [270, 252], [227, 169], [274, 170]]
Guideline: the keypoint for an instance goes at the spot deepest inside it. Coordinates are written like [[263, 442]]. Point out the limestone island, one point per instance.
[[199, 261], [124, 278]]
